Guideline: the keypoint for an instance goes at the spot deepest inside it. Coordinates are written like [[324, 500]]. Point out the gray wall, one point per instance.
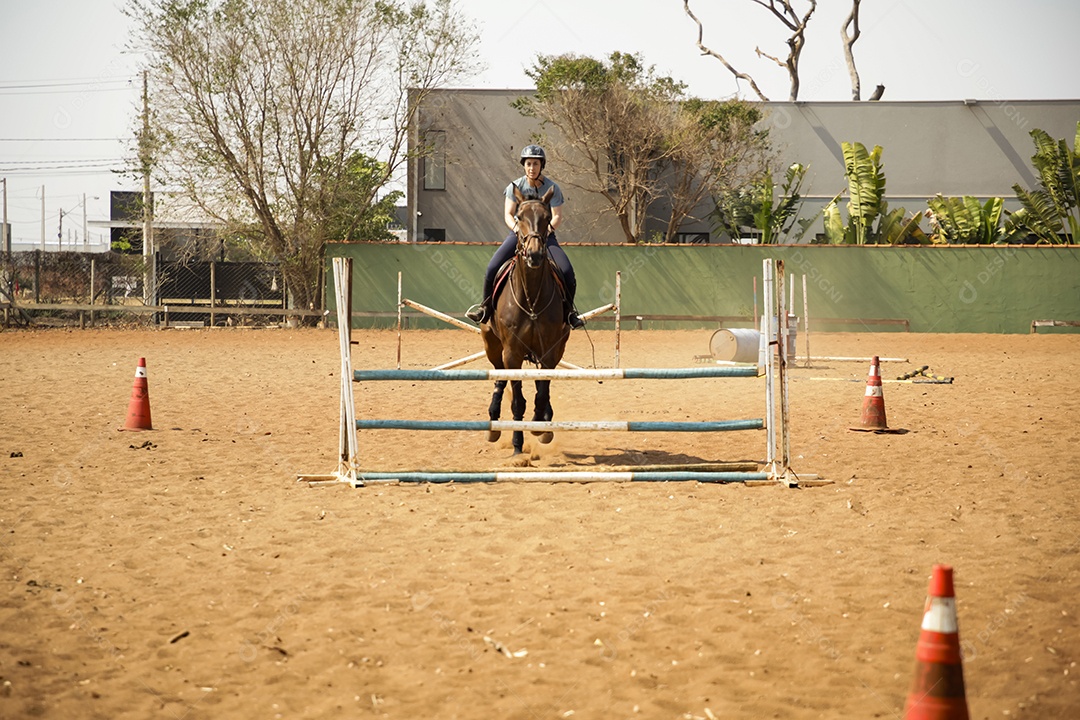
[[969, 147]]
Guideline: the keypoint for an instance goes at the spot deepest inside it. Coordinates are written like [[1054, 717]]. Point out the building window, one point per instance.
[[434, 234], [435, 160]]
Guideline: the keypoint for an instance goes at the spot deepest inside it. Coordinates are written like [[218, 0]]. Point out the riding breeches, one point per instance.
[[556, 253]]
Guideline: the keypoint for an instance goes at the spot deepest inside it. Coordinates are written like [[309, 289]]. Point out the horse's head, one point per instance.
[[533, 226]]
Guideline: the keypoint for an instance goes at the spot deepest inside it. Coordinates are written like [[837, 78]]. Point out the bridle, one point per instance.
[[523, 239], [523, 256]]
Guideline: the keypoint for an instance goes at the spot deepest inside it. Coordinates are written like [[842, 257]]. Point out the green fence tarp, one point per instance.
[[992, 289]]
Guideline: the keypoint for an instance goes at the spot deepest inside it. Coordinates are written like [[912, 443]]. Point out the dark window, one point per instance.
[[435, 160], [434, 234]]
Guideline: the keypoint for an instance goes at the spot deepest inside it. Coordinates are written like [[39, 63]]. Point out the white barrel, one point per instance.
[[735, 345]]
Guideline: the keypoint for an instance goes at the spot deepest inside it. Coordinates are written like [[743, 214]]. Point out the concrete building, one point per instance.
[[969, 147]]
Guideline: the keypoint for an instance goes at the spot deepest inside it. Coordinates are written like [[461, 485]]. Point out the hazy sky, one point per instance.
[[69, 93]]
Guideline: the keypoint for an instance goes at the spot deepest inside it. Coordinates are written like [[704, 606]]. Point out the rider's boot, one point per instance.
[[479, 313], [572, 318]]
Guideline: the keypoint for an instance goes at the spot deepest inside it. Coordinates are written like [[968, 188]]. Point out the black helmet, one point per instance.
[[534, 151]]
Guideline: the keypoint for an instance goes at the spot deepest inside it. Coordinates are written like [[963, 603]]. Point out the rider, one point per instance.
[[533, 184]]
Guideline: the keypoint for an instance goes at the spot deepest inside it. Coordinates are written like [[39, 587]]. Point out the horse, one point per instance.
[[527, 322]]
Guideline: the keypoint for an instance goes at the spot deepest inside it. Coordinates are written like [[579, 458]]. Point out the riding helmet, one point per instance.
[[534, 151]]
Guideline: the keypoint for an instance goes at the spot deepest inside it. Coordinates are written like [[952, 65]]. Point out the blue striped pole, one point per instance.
[[585, 374], [540, 426], [552, 477]]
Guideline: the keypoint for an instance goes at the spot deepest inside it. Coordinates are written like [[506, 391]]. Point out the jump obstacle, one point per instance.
[[402, 302], [775, 421]]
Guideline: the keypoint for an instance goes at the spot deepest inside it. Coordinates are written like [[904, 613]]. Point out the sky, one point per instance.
[[70, 90]]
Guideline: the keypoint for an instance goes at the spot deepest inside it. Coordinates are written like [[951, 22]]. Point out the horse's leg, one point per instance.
[[542, 409], [517, 406], [495, 408]]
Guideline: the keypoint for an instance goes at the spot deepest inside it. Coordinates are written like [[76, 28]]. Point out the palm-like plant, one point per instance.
[[756, 206], [867, 205], [966, 221], [1051, 212]]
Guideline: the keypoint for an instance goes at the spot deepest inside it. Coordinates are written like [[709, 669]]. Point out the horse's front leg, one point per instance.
[[542, 409], [495, 408], [517, 406]]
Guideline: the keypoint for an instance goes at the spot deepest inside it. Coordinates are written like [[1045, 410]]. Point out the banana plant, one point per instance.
[[966, 221], [1051, 212], [756, 206], [869, 219]]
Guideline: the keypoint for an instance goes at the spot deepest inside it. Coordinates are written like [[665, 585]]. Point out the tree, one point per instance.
[[713, 148], [266, 110], [636, 137], [608, 124], [796, 23]]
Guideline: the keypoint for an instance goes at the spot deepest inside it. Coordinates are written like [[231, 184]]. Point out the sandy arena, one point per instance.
[[184, 573]]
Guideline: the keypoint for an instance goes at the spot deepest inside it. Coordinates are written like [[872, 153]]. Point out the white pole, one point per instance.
[[399, 320], [85, 238], [806, 320], [618, 314], [42, 218], [767, 328]]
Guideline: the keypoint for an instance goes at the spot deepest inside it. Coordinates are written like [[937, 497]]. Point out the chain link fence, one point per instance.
[[117, 289]]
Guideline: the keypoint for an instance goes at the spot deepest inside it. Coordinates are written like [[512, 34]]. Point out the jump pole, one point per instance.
[[450, 320], [778, 448]]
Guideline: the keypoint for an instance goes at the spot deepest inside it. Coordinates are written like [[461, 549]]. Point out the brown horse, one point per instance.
[[528, 322]]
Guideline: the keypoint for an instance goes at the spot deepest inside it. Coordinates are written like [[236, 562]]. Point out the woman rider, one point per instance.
[[533, 184]]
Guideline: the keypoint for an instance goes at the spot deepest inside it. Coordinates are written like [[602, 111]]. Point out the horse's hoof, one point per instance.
[[545, 437], [494, 435]]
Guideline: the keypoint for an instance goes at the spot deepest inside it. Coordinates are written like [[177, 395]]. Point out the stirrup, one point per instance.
[[574, 320], [477, 313]]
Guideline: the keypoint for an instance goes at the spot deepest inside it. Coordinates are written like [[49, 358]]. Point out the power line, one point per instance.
[[50, 84], [65, 139]]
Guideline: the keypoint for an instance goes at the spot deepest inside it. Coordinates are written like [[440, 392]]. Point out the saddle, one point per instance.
[[508, 266]]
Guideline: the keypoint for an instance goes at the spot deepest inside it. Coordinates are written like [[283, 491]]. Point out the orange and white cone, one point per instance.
[[138, 416], [937, 692], [873, 407]]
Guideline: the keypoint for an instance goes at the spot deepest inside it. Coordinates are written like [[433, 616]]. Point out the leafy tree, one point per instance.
[[348, 220], [712, 148], [1051, 212], [607, 119], [634, 137], [268, 112]]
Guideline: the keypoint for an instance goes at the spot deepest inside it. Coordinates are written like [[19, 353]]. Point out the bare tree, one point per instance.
[[262, 108], [785, 12], [851, 21]]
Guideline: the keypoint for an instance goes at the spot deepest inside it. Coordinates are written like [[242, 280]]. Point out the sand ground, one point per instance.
[[185, 573]]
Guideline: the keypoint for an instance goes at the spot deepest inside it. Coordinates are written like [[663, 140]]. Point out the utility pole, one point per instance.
[[4, 229], [150, 271]]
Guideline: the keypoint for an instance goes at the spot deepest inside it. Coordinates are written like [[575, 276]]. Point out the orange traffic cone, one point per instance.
[[873, 407], [138, 417], [937, 692]]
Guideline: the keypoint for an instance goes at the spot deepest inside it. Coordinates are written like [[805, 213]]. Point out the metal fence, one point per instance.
[[117, 289]]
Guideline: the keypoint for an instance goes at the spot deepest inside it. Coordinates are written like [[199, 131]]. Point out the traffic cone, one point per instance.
[[873, 407], [937, 692], [138, 416]]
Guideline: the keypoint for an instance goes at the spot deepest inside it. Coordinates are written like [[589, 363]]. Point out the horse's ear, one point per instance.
[[547, 196], [518, 195]]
